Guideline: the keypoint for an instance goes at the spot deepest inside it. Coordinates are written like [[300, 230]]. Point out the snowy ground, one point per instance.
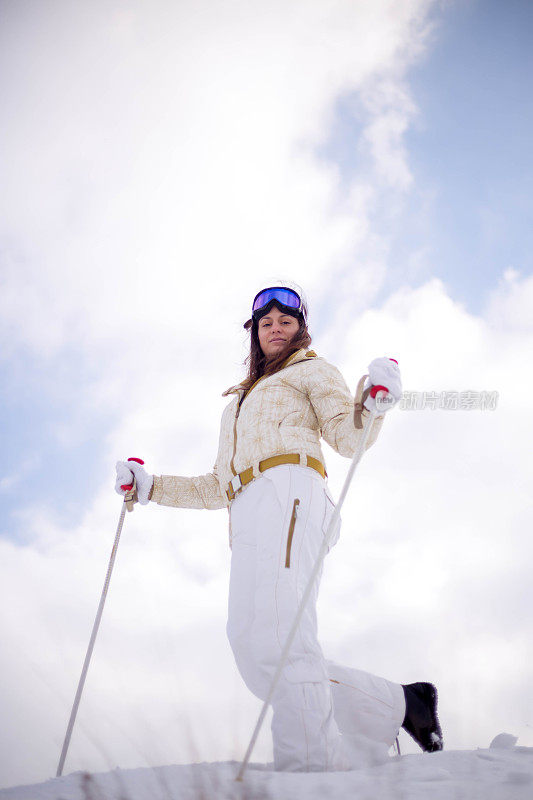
[[503, 772]]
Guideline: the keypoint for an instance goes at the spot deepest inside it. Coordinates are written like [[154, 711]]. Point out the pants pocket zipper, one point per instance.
[[291, 531]]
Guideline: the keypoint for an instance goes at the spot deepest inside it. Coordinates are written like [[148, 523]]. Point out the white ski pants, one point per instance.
[[325, 716]]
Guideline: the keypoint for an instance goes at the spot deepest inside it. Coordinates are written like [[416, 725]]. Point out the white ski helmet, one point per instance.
[[287, 295]]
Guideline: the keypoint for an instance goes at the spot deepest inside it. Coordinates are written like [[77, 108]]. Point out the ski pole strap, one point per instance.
[[130, 498], [360, 396]]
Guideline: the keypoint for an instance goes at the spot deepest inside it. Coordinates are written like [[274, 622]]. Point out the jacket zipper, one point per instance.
[[291, 532], [240, 402], [232, 464]]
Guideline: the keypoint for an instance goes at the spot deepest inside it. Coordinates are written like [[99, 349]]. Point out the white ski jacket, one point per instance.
[[282, 413]]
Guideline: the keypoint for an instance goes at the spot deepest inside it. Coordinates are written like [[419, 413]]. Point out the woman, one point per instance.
[[270, 473]]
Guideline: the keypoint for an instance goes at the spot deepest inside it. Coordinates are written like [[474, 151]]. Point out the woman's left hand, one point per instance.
[[384, 372]]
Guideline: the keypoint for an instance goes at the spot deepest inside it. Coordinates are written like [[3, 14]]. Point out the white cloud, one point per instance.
[[174, 146], [511, 303], [432, 572], [8, 483]]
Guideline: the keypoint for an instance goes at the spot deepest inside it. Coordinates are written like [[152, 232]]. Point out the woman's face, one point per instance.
[[275, 330]]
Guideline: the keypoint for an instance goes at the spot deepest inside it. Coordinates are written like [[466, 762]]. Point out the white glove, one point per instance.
[[383, 372], [125, 472]]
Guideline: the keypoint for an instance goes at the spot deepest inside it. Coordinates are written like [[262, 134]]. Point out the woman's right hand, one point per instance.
[[126, 471]]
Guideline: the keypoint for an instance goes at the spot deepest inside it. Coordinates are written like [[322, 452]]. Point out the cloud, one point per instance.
[[431, 573], [8, 483], [511, 303], [173, 147]]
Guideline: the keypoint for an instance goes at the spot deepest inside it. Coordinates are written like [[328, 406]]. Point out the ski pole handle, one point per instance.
[[373, 391], [130, 497], [379, 390]]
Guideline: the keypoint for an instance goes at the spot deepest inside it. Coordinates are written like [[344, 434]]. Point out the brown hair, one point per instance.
[[258, 365]]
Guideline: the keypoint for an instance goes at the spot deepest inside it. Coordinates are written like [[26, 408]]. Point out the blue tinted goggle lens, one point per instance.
[[284, 296]]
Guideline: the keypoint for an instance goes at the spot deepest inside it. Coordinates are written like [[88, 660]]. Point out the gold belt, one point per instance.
[[247, 475]]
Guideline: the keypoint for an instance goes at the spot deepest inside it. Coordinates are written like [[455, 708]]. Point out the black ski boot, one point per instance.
[[421, 720]]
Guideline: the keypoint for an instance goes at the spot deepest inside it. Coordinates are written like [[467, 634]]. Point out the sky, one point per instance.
[[161, 162]]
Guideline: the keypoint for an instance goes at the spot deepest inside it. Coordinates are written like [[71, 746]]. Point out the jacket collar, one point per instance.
[[298, 355]]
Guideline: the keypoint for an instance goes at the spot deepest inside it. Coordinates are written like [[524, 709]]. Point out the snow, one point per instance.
[[504, 741], [503, 771]]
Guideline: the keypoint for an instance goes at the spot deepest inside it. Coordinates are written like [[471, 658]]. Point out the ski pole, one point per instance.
[[309, 587], [129, 500]]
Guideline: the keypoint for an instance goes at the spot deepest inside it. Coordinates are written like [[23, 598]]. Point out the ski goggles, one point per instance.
[[288, 300]]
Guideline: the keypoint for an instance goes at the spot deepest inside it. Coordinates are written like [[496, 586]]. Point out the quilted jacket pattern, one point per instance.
[[286, 412]]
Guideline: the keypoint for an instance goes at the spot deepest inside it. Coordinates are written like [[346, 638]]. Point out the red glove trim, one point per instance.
[[375, 389]]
